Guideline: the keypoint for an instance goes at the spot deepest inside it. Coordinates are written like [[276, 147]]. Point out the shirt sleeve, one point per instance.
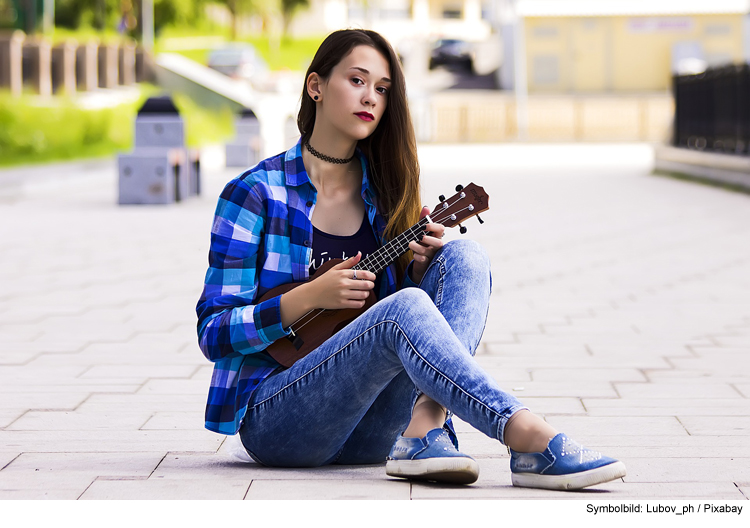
[[229, 323]]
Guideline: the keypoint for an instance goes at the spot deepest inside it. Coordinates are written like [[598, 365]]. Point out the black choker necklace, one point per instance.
[[329, 159]]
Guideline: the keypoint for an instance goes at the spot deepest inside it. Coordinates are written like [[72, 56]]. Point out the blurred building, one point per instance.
[[401, 19], [618, 46]]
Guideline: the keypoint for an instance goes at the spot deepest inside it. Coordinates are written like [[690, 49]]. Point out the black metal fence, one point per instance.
[[712, 110]]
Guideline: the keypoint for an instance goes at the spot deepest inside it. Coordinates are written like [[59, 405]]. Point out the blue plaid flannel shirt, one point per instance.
[[261, 238]]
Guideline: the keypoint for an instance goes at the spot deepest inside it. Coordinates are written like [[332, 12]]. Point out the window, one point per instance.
[[546, 69]]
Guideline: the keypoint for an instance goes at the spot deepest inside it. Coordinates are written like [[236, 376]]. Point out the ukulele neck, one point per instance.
[[387, 254]]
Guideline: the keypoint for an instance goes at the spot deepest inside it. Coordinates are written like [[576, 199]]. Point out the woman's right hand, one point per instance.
[[337, 288]]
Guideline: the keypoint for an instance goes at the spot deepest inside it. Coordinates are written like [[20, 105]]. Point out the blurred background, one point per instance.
[[73, 73]]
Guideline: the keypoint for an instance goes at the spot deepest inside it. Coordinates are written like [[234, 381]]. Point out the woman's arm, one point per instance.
[[229, 324]]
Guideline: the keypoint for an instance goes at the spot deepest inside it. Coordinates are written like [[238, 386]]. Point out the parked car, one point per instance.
[[452, 53], [239, 61]]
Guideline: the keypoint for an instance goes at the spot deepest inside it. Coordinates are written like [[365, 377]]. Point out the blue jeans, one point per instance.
[[348, 400]]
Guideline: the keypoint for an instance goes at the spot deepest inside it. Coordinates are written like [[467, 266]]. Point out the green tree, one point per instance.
[[289, 8]]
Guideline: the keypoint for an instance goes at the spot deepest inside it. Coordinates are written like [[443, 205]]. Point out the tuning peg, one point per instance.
[[462, 229], [459, 187], [480, 219], [441, 197]]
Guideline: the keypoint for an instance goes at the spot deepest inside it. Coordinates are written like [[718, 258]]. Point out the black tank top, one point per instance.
[[326, 247]]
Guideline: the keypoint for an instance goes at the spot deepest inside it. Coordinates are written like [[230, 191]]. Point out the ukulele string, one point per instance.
[[377, 257]]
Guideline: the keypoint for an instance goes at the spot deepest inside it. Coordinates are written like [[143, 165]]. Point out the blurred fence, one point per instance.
[[36, 65], [712, 110], [491, 117]]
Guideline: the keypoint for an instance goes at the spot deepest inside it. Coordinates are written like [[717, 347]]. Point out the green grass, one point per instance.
[[283, 54], [35, 132]]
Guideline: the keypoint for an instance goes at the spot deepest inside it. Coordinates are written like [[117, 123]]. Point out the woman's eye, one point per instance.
[[356, 80], [383, 90]]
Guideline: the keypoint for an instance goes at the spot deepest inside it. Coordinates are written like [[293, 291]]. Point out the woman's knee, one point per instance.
[[467, 252]]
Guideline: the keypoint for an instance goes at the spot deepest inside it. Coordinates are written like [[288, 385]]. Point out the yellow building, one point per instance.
[[583, 46]]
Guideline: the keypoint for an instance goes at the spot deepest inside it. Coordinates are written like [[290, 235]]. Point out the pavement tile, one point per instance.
[[221, 466], [675, 390], [190, 420], [150, 489], [604, 492], [698, 471], [583, 374], [553, 389], [327, 490], [109, 441], [667, 407], [579, 427], [78, 421], [137, 464], [553, 405], [165, 386], [136, 402], [138, 371], [7, 417], [699, 443], [49, 487], [590, 298], [709, 425], [7, 457]]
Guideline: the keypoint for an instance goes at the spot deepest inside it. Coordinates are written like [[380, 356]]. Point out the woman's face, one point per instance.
[[355, 96]]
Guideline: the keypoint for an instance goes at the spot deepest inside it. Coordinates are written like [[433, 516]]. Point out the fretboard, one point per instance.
[[386, 255]]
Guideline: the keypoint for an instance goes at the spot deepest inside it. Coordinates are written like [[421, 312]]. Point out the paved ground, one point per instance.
[[620, 312]]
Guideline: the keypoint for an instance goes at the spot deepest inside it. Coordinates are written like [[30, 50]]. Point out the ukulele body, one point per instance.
[[323, 324]]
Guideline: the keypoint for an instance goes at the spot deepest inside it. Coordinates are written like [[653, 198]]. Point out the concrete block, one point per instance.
[[152, 176], [185, 489], [159, 130], [327, 490]]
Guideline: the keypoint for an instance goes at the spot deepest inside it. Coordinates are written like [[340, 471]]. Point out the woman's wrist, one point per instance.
[[294, 304]]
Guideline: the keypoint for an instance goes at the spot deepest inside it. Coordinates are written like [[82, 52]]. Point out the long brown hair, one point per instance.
[[391, 150]]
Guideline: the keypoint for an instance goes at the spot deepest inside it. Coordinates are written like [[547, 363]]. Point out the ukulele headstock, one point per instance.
[[467, 202]]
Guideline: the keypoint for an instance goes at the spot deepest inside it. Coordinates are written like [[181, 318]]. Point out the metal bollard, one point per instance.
[[244, 149]]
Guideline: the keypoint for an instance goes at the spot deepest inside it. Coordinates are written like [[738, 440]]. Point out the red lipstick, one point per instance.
[[365, 116]]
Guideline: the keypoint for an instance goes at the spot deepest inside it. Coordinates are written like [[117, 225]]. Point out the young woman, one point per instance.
[[384, 387]]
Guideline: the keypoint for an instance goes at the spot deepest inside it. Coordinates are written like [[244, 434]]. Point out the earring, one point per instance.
[[316, 97]]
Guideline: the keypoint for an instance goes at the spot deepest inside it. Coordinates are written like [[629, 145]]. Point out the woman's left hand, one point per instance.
[[425, 250]]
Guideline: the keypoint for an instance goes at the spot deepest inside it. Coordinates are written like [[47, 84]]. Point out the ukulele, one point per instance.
[[316, 326]]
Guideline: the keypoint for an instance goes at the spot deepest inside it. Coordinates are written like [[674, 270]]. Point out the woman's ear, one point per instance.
[[314, 85]]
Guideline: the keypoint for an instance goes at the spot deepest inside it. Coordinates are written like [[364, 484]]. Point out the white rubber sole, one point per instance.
[[574, 481], [452, 470]]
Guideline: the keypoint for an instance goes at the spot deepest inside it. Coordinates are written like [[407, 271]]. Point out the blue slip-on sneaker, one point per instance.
[[564, 465], [433, 457]]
